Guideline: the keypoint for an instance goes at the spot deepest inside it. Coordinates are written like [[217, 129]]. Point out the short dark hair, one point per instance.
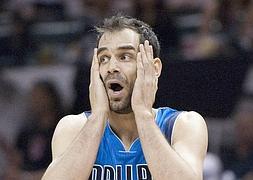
[[119, 22]]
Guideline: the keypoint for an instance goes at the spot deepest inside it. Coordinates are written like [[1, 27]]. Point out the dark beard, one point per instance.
[[124, 111], [121, 107]]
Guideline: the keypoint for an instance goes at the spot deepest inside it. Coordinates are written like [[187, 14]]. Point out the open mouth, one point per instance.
[[115, 87]]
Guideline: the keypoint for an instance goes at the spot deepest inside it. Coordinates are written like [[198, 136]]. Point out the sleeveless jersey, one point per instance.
[[114, 162]]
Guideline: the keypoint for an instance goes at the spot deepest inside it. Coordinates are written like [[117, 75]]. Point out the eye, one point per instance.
[[125, 57], [104, 59]]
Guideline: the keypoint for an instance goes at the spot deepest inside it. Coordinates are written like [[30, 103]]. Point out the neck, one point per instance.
[[124, 126]]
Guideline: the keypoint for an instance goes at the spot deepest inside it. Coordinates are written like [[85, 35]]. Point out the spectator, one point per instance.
[[12, 169], [34, 139], [81, 100], [159, 16], [212, 169], [239, 157], [11, 113]]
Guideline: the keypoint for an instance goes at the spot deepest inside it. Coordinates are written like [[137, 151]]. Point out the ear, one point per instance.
[[158, 66]]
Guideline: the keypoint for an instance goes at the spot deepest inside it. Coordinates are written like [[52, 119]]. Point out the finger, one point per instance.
[[91, 94], [140, 69], [94, 66], [147, 50], [148, 61], [143, 56], [93, 58], [151, 52]]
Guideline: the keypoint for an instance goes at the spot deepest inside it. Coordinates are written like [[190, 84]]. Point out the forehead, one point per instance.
[[115, 39]]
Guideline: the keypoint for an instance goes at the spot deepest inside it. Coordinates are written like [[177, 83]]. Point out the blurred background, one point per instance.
[[45, 54]]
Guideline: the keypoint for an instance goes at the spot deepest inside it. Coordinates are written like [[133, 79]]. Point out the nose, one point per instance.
[[113, 65]]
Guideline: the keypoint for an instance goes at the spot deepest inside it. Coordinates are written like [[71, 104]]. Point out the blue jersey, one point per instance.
[[114, 162]]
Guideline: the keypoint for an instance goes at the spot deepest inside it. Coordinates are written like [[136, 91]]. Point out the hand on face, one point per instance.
[[98, 96], [145, 86]]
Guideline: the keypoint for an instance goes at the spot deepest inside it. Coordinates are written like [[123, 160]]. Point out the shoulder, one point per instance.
[[190, 120], [66, 131], [190, 139], [191, 117], [189, 123], [71, 122]]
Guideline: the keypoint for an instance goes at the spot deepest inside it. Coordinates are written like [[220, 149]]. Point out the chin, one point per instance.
[[123, 111], [120, 107]]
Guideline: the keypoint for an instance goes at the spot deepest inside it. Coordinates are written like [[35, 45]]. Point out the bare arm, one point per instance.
[[181, 160], [74, 158], [76, 140]]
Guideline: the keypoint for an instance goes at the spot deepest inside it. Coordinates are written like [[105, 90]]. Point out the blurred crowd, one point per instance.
[[61, 31], [42, 33]]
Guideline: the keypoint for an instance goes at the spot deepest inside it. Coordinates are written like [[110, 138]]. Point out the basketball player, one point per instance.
[[123, 137]]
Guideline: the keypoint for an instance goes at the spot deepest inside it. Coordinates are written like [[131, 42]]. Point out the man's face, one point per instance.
[[117, 53]]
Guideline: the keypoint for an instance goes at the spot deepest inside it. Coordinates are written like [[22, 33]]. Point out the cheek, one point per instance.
[[102, 72], [132, 77], [135, 73], [131, 69]]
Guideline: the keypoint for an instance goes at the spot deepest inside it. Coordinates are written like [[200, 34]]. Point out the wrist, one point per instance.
[[99, 115], [144, 115]]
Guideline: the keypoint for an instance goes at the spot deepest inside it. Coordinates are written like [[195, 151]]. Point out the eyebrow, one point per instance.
[[101, 49], [125, 47]]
